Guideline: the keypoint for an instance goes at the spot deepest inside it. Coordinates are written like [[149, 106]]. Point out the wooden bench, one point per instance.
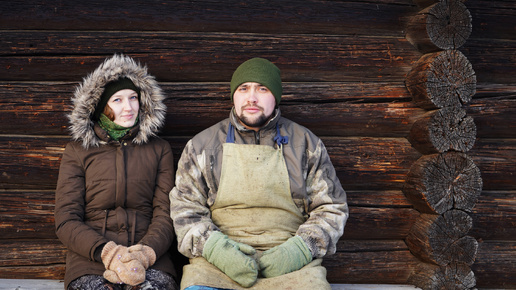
[[40, 284]]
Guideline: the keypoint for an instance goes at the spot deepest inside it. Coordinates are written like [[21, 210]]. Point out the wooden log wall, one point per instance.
[[344, 64]]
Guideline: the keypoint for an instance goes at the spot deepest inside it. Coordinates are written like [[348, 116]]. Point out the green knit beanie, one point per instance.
[[110, 89], [258, 70]]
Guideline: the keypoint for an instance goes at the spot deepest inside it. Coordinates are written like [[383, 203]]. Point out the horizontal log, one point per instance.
[[494, 111], [328, 109], [492, 60], [33, 272], [495, 265], [494, 216], [34, 252], [490, 18], [372, 262], [30, 214], [32, 259], [373, 163], [373, 214], [182, 56], [335, 17], [27, 214], [492, 157], [442, 130], [392, 262], [375, 109], [442, 240], [442, 79], [454, 276], [32, 162], [356, 261], [443, 25], [437, 183], [379, 223], [384, 17]]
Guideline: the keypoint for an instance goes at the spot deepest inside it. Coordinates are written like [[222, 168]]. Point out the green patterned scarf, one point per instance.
[[114, 130]]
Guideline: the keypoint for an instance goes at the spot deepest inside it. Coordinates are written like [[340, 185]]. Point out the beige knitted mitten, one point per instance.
[[121, 271], [142, 253]]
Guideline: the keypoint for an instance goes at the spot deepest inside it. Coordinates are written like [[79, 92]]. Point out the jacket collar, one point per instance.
[[103, 135]]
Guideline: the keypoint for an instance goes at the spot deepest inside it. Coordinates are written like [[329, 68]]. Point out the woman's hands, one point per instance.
[[127, 265]]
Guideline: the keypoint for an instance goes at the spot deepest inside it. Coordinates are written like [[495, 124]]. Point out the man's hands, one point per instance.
[[232, 258], [127, 265], [290, 256]]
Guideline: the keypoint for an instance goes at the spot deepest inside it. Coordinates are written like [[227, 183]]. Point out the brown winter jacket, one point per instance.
[[114, 190]]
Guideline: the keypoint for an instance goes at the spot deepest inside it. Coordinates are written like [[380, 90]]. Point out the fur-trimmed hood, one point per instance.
[[87, 96]]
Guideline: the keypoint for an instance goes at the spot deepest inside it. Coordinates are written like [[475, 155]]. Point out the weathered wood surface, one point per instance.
[[442, 239], [494, 216], [177, 56], [491, 104], [328, 109], [454, 276], [349, 58], [386, 17], [491, 157], [442, 79], [367, 109], [30, 215], [391, 262], [496, 264], [344, 64], [437, 183], [441, 26], [381, 262], [32, 162], [293, 17], [442, 130]]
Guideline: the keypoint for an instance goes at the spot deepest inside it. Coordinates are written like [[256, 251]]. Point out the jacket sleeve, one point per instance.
[[327, 209], [160, 233], [189, 209], [76, 235]]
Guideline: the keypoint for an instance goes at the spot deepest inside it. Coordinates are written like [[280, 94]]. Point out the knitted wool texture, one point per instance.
[[258, 70]]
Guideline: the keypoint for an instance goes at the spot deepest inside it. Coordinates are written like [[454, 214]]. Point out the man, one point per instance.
[[257, 202]]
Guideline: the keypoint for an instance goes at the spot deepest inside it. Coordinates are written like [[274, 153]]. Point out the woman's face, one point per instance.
[[125, 106]]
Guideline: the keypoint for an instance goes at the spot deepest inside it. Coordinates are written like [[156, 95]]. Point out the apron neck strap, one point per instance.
[[230, 137], [280, 140]]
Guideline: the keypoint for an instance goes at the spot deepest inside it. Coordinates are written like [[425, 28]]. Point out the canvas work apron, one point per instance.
[[254, 206]]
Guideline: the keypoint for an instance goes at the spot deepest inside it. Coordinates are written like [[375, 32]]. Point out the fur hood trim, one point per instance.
[[87, 96]]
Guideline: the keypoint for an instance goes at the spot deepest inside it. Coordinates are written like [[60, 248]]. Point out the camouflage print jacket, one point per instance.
[[315, 188]]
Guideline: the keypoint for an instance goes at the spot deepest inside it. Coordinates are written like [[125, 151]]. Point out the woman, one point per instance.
[[112, 207]]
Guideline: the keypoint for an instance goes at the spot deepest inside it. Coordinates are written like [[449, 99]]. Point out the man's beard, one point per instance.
[[257, 122]]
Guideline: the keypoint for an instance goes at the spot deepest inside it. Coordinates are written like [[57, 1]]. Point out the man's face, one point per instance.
[[254, 104]]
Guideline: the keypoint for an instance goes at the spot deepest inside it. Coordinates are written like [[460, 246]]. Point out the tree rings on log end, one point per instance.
[[441, 26], [453, 276], [442, 239], [442, 79], [437, 183], [441, 130]]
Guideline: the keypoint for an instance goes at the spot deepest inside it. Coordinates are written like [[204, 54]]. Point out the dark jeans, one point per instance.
[[154, 280]]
